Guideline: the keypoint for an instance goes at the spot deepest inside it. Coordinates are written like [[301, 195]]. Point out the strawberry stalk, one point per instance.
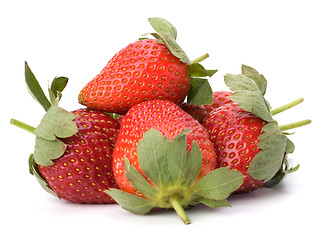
[[175, 202], [286, 106], [200, 59], [22, 125], [293, 125]]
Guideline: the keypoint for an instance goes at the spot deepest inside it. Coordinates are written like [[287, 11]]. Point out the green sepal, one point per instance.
[[289, 147], [47, 150], [163, 26], [192, 165], [33, 170], [167, 34], [285, 168], [278, 178], [35, 89], [219, 184], [248, 95], [131, 202], [269, 160], [253, 74], [57, 86], [280, 175], [151, 153], [174, 47], [200, 92], [197, 70], [214, 203], [139, 182], [57, 122], [144, 38], [292, 170], [177, 158]]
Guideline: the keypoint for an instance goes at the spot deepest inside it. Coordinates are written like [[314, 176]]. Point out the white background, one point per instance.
[[284, 40]]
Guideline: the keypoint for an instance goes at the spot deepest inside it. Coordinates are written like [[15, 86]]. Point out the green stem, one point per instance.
[[199, 59], [286, 106], [22, 125], [297, 124], [175, 202]]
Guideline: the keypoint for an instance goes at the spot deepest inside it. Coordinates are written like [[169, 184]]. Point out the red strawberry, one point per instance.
[[85, 169], [245, 135], [234, 133], [144, 70], [73, 150], [169, 119], [163, 158], [201, 112]]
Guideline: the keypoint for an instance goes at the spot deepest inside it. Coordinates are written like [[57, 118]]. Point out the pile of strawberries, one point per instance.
[[139, 144]]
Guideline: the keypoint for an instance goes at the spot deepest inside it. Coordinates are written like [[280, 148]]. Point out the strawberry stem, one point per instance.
[[199, 59], [286, 106], [22, 125], [175, 202], [297, 124]]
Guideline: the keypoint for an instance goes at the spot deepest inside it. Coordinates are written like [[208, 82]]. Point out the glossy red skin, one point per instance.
[[200, 113], [82, 173], [144, 70], [166, 117], [234, 133]]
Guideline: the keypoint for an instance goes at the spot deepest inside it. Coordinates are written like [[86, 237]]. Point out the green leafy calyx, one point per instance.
[[174, 172], [57, 123], [248, 95]]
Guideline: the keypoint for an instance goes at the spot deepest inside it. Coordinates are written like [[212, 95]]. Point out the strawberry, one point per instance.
[[141, 71], [73, 150], [166, 117], [147, 69], [246, 137], [85, 169], [201, 112], [163, 158]]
